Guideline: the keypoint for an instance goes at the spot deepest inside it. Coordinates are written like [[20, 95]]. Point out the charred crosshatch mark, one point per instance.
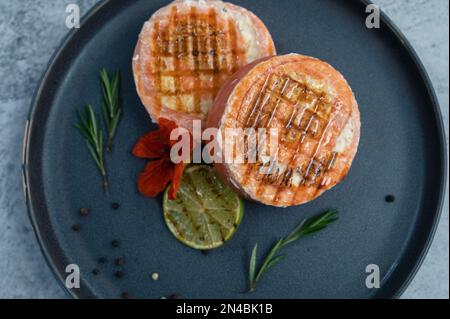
[[306, 175], [307, 121], [193, 54]]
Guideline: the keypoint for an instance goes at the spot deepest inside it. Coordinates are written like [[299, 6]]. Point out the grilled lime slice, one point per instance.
[[206, 213]]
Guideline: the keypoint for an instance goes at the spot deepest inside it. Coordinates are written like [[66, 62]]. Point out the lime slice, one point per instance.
[[206, 213]]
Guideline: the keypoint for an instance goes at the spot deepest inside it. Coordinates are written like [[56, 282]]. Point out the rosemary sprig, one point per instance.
[[306, 227], [110, 106], [89, 127]]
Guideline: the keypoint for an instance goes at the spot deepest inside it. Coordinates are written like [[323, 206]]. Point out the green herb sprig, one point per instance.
[[306, 227], [90, 128], [111, 104]]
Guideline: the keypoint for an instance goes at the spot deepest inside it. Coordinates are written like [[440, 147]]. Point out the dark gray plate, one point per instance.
[[401, 153]]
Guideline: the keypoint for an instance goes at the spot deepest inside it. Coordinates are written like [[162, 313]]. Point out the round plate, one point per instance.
[[401, 153]]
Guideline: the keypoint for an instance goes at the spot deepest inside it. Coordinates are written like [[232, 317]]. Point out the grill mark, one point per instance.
[[308, 126], [214, 48], [176, 61], [196, 57], [331, 162], [268, 176], [287, 177], [327, 169], [266, 100], [278, 104], [241, 116], [251, 168], [155, 39], [291, 118], [233, 44], [255, 105], [295, 87]]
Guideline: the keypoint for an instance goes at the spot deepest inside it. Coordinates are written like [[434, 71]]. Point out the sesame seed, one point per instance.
[[84, 212], [119, 261]]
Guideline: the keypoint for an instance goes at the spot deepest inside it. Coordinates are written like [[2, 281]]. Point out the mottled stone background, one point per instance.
[[30, 30]]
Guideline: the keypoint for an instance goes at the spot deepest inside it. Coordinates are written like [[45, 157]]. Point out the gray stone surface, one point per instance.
[[30, 30]]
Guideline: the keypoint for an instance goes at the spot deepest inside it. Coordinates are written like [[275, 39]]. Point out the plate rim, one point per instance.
[[54, 254]]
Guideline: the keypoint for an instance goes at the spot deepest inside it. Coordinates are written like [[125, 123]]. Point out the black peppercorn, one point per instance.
[[95, 271], [390, 198], [119, 274], [119, 261], [76, 227], [115, 206], [115, 243], [103, 260]]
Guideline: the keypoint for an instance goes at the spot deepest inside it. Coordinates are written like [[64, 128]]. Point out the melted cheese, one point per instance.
[[345, 139]]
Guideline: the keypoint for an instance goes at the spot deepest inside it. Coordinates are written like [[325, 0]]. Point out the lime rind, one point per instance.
[[206, 212]]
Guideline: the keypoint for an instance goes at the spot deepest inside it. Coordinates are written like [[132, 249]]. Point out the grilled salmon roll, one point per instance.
[[188, 49], [312, 110]]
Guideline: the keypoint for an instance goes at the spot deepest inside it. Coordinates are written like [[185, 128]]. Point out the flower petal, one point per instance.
[[165, 128], [150, 146], [176, 181], [155, 177]]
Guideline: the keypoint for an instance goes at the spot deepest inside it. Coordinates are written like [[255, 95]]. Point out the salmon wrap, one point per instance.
[[315, 114], [188, 49]]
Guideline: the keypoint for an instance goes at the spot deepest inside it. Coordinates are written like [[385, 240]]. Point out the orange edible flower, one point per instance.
[[161, 170]]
